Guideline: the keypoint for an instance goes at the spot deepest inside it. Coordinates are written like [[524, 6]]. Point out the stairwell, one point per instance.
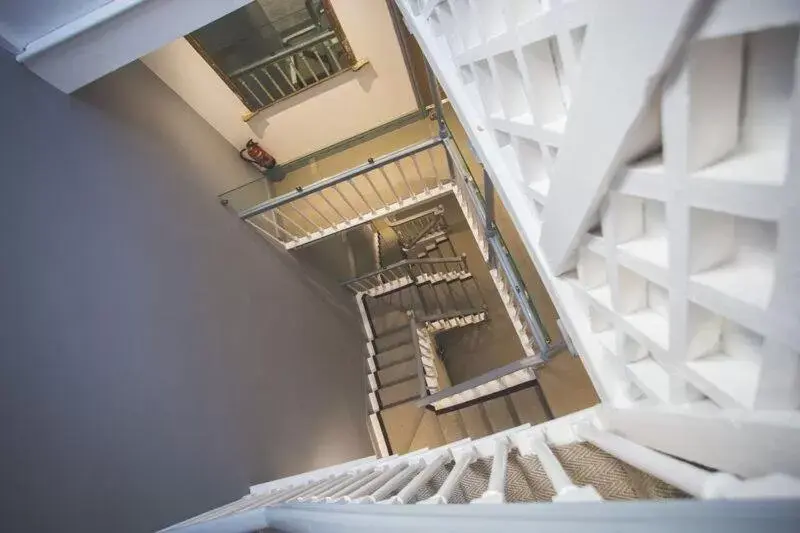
[[664, 429], [407, 233], [436, 282], [407, 310]]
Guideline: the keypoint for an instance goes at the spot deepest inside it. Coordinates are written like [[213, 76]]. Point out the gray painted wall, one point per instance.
[[157, 355], [139, 100]]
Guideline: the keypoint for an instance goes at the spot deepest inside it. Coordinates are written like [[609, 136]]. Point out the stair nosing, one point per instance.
[[390, 365]]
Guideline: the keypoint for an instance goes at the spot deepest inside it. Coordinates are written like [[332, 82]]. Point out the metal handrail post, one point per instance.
[[489, 228], [522, 297], [437, 100]]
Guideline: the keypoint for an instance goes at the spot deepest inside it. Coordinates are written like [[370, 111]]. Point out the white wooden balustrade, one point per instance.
[[398, 480], [655, 181]]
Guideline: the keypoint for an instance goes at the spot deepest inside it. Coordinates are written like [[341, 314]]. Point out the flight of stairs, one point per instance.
[[444, 296], [551, 462], [392, 362], [392, 365], [434, 245], [526, 480]]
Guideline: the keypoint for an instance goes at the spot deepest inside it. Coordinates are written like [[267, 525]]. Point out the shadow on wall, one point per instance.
[[365, 76], [157, 356]]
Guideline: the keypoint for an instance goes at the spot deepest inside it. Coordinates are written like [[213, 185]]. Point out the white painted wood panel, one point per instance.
[[610, 121], [683, 283]]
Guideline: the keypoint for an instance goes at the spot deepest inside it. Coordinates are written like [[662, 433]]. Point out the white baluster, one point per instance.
[[405, 495], [330, 489], [463, 460], [357, 481], [332, 54], [389, 183], [496, 492], [366, 491], [265, 70], [562, 484], [321, 485], [396, 482]]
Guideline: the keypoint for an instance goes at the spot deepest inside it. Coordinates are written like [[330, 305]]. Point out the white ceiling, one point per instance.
[[23, 21]]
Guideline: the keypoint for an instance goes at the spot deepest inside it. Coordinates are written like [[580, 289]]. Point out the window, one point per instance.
[[269, 50]]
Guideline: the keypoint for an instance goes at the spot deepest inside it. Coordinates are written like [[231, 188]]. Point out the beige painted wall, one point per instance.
[[333, 111]]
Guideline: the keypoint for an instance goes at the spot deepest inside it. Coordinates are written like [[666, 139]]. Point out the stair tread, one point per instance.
[[462, 300], [400, 423], [415, 300], [526, 480], [395, 355], [452, 426], [474, 422], [473, 294], [401, 299], [528, 407], [397, 371], [499, 416], [586, 464], [399, 392], [388, 341], [446, 247], [430, 299], [445, 295], [428, 433], [385, 321]]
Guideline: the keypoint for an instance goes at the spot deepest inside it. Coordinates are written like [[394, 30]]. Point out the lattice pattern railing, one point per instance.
[[684, 286]]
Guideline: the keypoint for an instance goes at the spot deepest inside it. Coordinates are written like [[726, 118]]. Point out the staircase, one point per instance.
[[571, 459], [412, 402], [402, 307], [698, 384], [689, 334], [412, 228], [426, 289]]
